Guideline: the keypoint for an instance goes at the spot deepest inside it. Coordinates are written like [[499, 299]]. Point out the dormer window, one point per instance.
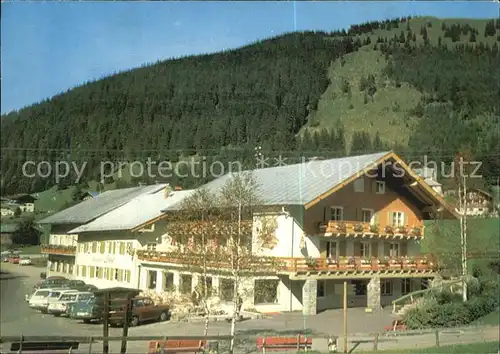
[[149, 228], [359, 185]]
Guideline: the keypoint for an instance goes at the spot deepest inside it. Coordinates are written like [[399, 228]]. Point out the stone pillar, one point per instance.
[[309, 297], [177, 281], [160, 278], [373, 293]]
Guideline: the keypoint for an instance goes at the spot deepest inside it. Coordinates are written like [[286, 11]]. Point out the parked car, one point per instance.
[[62, 305], [51, 282], [25, 261], [54, 296], [91, 310], [143, 310], [14, 259], [38, 299], [73, 284]]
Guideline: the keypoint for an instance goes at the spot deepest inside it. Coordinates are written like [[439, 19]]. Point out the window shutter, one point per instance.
[[357, 249], [376, 218], [390, 218], [375, 248], [403, 249], [405, 219], [342, 248]]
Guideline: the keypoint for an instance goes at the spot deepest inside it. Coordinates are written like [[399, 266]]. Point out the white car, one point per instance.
[[42, 298], [25, 261], [61, 306]]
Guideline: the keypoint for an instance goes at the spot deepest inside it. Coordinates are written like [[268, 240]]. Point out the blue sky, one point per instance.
[[49, 47]]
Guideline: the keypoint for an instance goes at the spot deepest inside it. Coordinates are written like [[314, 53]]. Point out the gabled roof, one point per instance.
[[135, 213], [309, 182], [91, 209], [299, 184]]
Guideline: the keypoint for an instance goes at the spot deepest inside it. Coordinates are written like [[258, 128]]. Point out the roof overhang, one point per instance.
[[416, 185]]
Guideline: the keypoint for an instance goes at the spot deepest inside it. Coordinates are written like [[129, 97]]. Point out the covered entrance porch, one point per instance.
[[322, 293]]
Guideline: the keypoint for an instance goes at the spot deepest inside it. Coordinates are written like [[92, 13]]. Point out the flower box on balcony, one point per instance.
[[394, 263], [366, 263], [401, 230], [388, 229], [331, 262], [374, 228], [340, 227], [358, 228], [382, 263], [416, 231], [311, 262]]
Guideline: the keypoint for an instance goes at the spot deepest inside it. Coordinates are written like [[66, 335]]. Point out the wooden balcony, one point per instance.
[[343, 266], [58, 249], [365, 229], [361, 266]]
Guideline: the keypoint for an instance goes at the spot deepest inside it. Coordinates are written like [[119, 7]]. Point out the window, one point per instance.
[[336, 214], [122, 248], [331, 249], [113, 247], [367, 215], [226, 289], [365, 249], [394, 249], [152, 279], [321, 290], [359, 185], [379, 187], [360, 287], [266, 291], [168, 281], [84, 271], [397, 218], [151, 247], [127, 276], [386, 287], [405, 286], [94, 247], [186, 284], [208, 283], [92, 271]]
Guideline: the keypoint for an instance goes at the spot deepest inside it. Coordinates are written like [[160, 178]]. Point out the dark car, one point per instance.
[[51, 282], [91, 310], [143, 310]]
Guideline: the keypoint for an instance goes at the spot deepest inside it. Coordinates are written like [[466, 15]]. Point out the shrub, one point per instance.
[[481, 306]]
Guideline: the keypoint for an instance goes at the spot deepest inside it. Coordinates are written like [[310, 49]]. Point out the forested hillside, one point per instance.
[[297, 94]]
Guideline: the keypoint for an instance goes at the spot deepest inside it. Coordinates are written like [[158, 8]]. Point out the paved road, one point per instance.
[[17, 318]]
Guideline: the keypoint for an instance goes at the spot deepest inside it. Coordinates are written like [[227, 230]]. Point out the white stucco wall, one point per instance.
[[288, 234]]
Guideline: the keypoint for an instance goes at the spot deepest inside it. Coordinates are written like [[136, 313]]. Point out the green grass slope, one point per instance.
[[390, 111]]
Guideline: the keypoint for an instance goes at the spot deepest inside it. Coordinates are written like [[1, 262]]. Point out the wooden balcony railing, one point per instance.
[[58, 249], [296, 265], [299, 265], [365, 228]]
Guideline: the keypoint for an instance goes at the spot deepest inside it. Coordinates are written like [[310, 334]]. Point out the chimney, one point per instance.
[[178, 188], [166, 191]]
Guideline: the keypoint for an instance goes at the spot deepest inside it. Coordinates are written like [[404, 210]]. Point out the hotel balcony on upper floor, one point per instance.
[[304, 266], [367, 229], [66, 250]]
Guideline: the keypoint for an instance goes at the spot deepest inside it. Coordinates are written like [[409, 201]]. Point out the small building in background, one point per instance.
[[25, 202], [89, 195], [430, 177]]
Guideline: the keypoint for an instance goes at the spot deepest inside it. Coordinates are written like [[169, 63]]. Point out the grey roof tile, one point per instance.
[[91, 209]]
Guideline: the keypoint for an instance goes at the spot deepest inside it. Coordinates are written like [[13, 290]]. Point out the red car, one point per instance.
[[14, 259]]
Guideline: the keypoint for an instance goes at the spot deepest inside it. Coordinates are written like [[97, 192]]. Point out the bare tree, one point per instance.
[[227, 218]]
